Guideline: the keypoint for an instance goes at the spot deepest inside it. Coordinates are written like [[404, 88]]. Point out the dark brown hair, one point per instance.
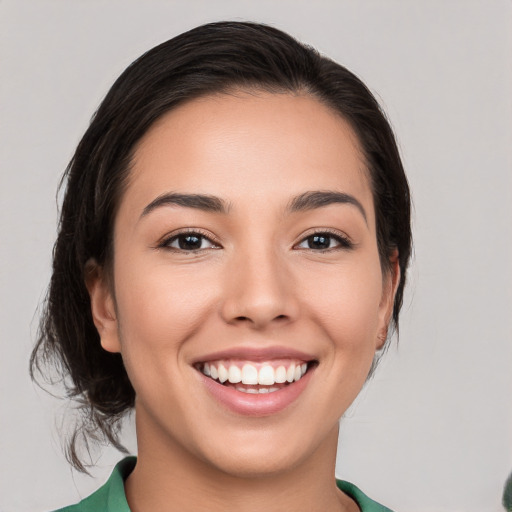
[[212, 58]]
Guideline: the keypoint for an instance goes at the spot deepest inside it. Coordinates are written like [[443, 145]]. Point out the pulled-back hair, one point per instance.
[[210, 59]]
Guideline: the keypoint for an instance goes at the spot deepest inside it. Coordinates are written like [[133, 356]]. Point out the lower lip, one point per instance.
[[262, 404]]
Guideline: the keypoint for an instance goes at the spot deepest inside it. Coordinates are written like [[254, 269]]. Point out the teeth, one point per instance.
[[249, 375], [254, 391], [266, 376], [281, 374], [290, 373], [223, 373], [234, 374]]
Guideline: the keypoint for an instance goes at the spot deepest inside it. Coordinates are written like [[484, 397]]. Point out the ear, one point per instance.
[[102, 306], [390, 282]]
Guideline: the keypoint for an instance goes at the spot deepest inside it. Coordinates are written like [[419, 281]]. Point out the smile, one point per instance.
[[256, 381], [255, 378]]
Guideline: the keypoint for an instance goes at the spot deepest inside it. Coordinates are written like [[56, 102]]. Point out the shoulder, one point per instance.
[[110, 497], [365, 503]]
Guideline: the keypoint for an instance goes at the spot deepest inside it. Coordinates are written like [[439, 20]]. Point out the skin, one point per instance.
[[259, 284]]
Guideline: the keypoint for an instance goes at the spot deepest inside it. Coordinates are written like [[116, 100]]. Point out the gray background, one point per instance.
[[433, 430]]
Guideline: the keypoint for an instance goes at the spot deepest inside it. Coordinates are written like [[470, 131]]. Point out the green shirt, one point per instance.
[[111, 497]]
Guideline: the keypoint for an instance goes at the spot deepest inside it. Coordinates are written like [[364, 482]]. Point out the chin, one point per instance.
[[252, 464], [265, 452]]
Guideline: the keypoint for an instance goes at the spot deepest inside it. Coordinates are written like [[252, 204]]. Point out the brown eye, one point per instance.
[[319, 241], [324, 241], [189, 242]]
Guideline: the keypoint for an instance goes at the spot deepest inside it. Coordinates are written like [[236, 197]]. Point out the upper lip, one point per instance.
[[256, 354]]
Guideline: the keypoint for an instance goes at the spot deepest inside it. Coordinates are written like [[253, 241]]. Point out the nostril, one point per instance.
[[247, 319]]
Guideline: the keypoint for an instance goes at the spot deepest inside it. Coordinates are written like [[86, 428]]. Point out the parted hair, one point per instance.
[[210, 59]]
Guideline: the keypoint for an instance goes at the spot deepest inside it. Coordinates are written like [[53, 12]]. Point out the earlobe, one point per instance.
[[390, 285], [102, 306]]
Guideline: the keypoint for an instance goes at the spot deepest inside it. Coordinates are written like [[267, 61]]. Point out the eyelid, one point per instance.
[[164, 242], [343, 239]]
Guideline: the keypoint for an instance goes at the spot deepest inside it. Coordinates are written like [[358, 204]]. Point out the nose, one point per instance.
[[259, 291]]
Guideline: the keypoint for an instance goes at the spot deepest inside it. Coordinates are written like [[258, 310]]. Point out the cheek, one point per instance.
[[159, 309], [346, 303]]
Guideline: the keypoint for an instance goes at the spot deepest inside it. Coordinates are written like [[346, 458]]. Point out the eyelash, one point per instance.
[[198, 233], [343, 241]]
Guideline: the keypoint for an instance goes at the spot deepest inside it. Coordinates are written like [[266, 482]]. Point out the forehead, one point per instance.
[[249, 147]]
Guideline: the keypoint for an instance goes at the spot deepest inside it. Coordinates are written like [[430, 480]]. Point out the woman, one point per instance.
[[232, 253]]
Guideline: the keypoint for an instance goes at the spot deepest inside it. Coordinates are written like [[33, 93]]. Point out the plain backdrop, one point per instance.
[[433, 430]]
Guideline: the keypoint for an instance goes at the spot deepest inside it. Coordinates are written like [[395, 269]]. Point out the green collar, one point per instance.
[[365, 504], [111, 497]]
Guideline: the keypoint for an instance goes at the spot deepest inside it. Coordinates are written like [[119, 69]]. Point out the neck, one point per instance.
[[169, 478]]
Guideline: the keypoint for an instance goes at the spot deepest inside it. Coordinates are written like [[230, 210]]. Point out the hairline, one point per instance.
[[238, 90]]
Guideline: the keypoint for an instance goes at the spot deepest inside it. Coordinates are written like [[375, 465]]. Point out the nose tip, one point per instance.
[[259, 293]]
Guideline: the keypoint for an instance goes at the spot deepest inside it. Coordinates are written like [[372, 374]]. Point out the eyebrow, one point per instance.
[[320, 198], [307, 201], [202, 202]]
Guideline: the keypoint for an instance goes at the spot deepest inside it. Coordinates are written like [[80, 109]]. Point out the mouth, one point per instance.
[[256, 377], [256, 382]]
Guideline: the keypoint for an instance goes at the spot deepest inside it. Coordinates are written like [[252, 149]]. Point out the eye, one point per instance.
[[190, 241], [323, 241]]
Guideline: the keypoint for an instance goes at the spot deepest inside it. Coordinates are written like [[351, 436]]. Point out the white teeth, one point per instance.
[[249, 374], [280, 375], [266, 375], [223, 373], [253, 391], [234, 374], [290, 373]]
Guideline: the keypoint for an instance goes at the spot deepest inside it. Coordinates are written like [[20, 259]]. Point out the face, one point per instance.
[[248, 298]]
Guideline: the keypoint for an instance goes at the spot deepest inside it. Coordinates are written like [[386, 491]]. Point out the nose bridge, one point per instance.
[[259, 289]]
